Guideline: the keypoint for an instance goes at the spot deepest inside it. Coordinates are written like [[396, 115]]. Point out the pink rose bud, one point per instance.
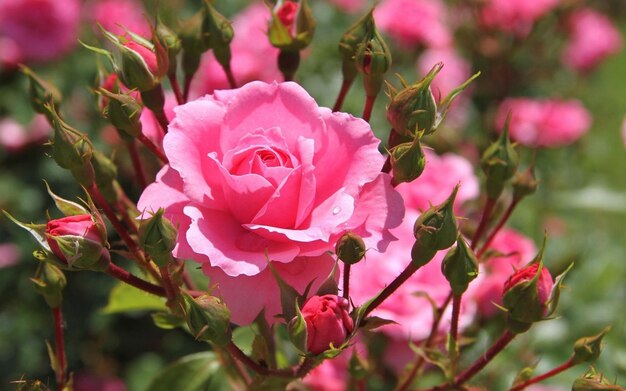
[[526, 294], [77, 241], [287, 13], [327, 322], [148, 56]]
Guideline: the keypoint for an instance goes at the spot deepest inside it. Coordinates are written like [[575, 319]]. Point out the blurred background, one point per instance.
[[527, 61]]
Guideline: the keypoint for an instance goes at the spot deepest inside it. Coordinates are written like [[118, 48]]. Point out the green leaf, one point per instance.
[[166, 320], [373, 322], [196, 372], [436, 357], [126, 298], [288, 296]]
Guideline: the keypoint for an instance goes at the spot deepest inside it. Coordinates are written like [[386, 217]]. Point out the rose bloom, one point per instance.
[[42, 30], [117, 16], [515, 16], [514, 250], [261, 173], [414, 22], [544, 123], [253, 57], [593, 37]]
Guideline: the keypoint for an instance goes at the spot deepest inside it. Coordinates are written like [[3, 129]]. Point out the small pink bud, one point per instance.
[[287, 13], [78, 241], [544, 283], [327, 322], [526, 296], [148, 55]]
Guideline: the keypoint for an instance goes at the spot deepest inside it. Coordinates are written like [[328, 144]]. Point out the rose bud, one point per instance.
[[292, 25], [157, 236], [526, 294], [41, 91], [499, 162], [436, 228], [414, 109], [588, 349], [524, 183], [350, 41], [594, 381], [171, 43], [124, 112], [218, 33], [373, 60], [460, 267], [327, 322], [208, 319], [49, 282], [407, 161], [78, 241], [350, 248]]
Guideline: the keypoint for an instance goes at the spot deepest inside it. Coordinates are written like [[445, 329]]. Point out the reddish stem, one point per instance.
[[123, 275], [392, 287], [563, 367], [454, 322], [161, 119], [229, 75], [483, 360], [152, 147], [346, 281], [176, 88], [127, 220], [345, 87], [369, 106], [134, 157], [489, 205], [255, 366], [494, 232], [187, 87], [171, 291], [59, 340]]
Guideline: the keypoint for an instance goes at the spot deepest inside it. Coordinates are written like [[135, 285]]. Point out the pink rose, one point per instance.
[[262, 173], [9, 254], [593, 37], [544, 123], [516, 250], [515, 16], [399, 19], [150, 126], [327, 322], [253, 57], [413, 313], [15, 137], [455, 71], [117, 16], [350, 6], [42, 30], [81, 226]]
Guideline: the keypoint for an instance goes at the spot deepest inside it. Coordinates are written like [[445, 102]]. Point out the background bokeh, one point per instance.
[[581, 204]]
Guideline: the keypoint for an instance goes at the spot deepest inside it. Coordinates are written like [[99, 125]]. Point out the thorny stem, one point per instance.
[[454, 322], [369, 106], [134, 157], [392, 287], [59, 341], [489, 205], [345, 87], [153, 148], [176, 88], [501, 222], [171, 291], [565, 366]]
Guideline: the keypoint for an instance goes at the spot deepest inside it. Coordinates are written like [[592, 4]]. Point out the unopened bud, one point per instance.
[[171, 43], [407, 161], [499, 162], [157, 236], [436, 228], [193, 44], [208, 319], [292, 25], [373, 60], [350, 42], [350, 248], [414, 109], [588, 349], [49, 282], [124, 112], [524, 183], [105, 174], [41, 92], [460, 267], [217, 32], [592, 380]]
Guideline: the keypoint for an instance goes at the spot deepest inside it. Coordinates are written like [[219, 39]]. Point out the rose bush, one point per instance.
[[261, 173]]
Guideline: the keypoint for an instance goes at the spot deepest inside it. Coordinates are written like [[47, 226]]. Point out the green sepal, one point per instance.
[[460, 267], [499, 162], [436, 228], [157, 236], [41, 92], [208, 319], [288, 296], [329, 285], [68, 208], [445, 103], [217, 33], [374, 322], [50, 281], [167, 320], [588, 349], [297, 330], [407, 161], [38, 231]]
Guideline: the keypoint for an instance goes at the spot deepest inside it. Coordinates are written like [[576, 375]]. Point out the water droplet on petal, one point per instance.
[[336, 210]]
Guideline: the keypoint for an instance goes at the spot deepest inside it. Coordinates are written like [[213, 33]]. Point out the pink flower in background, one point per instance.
[[515, 251], [544, 123], [42, 30], [415, 22], [14, 137], [593, 37], [253, 57], [455, 71], [261, 172], [117, 16], [9, 254], [150, 126], [327, 322], [413, 313], [350, 6], [332, 374], [515, 16]]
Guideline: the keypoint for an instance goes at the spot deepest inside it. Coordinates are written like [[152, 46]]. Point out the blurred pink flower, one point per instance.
[[261, 172], [91, 382], [14, 136], [350, 6], [455, 71], [415, 22], [117, 16], [42, 30], [9, 254], [150, 125], [593, 37], [544, 122], [515, 16], [332, 375], [413, 313], [253, 57], [515, 251]]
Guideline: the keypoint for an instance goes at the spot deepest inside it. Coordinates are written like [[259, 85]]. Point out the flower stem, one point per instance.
[[454, 322], [125, 276], [489, 205], [229, 75], [392, 287], [483, 360], [255, 366], [345, 87], [346, 281], [187, 87], [565, 366], [152, 147], [59, 341], [369, 106], [501, 222], [176, 88], [134, 157]]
